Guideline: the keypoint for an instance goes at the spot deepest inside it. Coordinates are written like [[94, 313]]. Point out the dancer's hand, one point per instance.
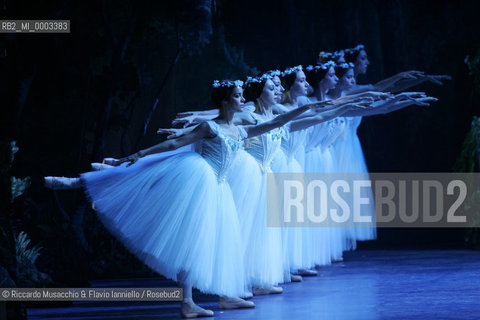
[[412, 74], [185, 121], [131, 159], [424, 102], [184, 114], [437, 78], [410, 95], [173, 133]]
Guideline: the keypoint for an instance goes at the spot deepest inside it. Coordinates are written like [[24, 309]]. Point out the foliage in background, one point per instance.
[[469, 160]]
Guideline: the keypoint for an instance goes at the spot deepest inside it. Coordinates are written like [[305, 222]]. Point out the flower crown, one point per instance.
[[274, 73], [227, 83], [262, 78], [292, 70], [325, 65], [323, 55], [360, 47], [346, 65]]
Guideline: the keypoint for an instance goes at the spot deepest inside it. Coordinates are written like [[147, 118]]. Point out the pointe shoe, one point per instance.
[[62, 183], [296, 278], [269, 290], [247, 295], [339, 259], [191, 310], [235, 303], [100, 166], [110, 161], [307, 273]]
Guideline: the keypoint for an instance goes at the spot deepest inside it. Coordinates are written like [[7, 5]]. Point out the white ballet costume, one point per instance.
[[340, 236], [177, 213], [296, 255], [262, 244], [351, 160]]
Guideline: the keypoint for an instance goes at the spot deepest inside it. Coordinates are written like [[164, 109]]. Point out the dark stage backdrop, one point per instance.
[[128, 67]]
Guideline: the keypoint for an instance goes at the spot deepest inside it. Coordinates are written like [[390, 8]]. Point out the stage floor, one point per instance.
[[369, 284]]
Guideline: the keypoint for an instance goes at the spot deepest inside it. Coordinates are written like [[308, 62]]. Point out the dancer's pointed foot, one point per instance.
[[235, 303], [247, 295], [97, 166], [307, 272], [62, 183], [296, 278], [269, 290], [110, 161], [191, 310]]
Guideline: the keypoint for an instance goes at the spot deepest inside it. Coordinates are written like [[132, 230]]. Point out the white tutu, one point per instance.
[[340, 236], [296, 255], [177, 214], [263, 245], [315, 162], [351, 160]]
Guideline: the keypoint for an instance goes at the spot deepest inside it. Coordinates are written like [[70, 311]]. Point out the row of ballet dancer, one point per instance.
[[193, 208]]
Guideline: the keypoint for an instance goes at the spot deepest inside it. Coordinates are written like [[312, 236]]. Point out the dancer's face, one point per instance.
[[279, 89], [347, 81], [300, 85], [330, 80], [362, 62], [236, 100], [268, 93]]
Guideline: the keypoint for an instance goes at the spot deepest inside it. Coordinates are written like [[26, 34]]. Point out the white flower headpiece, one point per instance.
[[360, 47], [274, 73], [323, 55], [292, 70], [227, 83], [346, 65], [262, 78], [326, 65]]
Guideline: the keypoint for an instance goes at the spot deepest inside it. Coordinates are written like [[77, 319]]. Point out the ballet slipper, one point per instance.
[[269, 290], [110, 161], [247, 295], [339, 259], [235, 303], [62, 183], [97, 166], [296, 278], [307, 273], [191, 310]]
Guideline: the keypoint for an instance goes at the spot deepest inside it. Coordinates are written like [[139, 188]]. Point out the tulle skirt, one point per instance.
[[263, 251], [176, 216], [296, 254], [351, 160], [320, 245]]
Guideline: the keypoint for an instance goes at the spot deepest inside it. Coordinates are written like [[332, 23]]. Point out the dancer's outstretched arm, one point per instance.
[[360, 98], [405, 84], [193, 117], [404, 100], [240, 118], [201, 131], [326, 115], [386, 84], [278, 121]]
